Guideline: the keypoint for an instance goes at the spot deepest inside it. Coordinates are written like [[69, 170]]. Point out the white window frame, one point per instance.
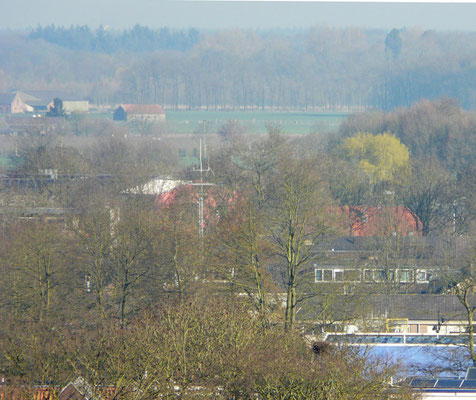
[[406, 270], [359, 275], [334, 272], [377, 275], [315, 275], [322, 275], [370, 271], [421, 271]]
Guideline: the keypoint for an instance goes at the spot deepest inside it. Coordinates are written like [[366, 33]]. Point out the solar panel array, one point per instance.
[[422, 382], [448, 383], [469, 384], [399, 339], [443, 383], [471, 373]]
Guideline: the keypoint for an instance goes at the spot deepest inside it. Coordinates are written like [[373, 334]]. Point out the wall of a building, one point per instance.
[[19, 107], [76, 106], [147, 117]]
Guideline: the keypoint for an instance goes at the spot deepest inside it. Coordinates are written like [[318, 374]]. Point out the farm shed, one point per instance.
[[139, 112], [42, 100]]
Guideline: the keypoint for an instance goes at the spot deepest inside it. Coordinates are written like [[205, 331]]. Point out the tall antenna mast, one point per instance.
[[201, 184]]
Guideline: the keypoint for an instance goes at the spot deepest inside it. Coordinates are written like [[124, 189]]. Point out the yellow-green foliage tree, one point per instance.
[[383, 157]]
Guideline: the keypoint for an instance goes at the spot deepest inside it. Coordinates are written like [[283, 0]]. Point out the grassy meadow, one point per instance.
[[255, 121]]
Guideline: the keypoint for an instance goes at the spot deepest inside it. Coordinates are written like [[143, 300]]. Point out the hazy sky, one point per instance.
[[231, 14]]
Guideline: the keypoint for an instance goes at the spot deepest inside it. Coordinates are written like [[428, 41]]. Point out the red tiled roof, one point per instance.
[[375, 221], [214, 198], [354, 220], [142, 109]]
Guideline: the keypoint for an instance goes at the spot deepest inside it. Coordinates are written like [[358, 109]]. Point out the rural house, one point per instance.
[[139, 112], [42, 100], [11, 103]]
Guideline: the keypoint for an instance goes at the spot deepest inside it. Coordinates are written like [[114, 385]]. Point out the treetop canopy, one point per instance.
[[383, 157]]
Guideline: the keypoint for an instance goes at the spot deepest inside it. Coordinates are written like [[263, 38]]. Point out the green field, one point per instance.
[[291, 122], [254, 121]]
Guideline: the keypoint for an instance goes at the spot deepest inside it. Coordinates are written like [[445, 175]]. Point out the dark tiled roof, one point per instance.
[[6, 98], [418, 306], [349, 243], [46, 95], [428, 307], [38, 103], [415, 246]]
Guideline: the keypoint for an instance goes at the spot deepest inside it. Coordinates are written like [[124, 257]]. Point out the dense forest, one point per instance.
[[309, 69]]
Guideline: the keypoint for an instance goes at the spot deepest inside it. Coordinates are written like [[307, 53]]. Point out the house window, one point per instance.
[[346, 275], [421, 276], [323, 275], [368, 275], [383, 275], [318, 275], [352, 275], [390, 275], [338, 275], [328, 275], [379, 275], [405, 275]]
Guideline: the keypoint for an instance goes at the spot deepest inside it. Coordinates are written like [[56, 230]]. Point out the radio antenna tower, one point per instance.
[[201, 184]]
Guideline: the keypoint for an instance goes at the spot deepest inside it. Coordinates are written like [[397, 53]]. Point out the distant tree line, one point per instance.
[[137, 39], [310, 69]]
